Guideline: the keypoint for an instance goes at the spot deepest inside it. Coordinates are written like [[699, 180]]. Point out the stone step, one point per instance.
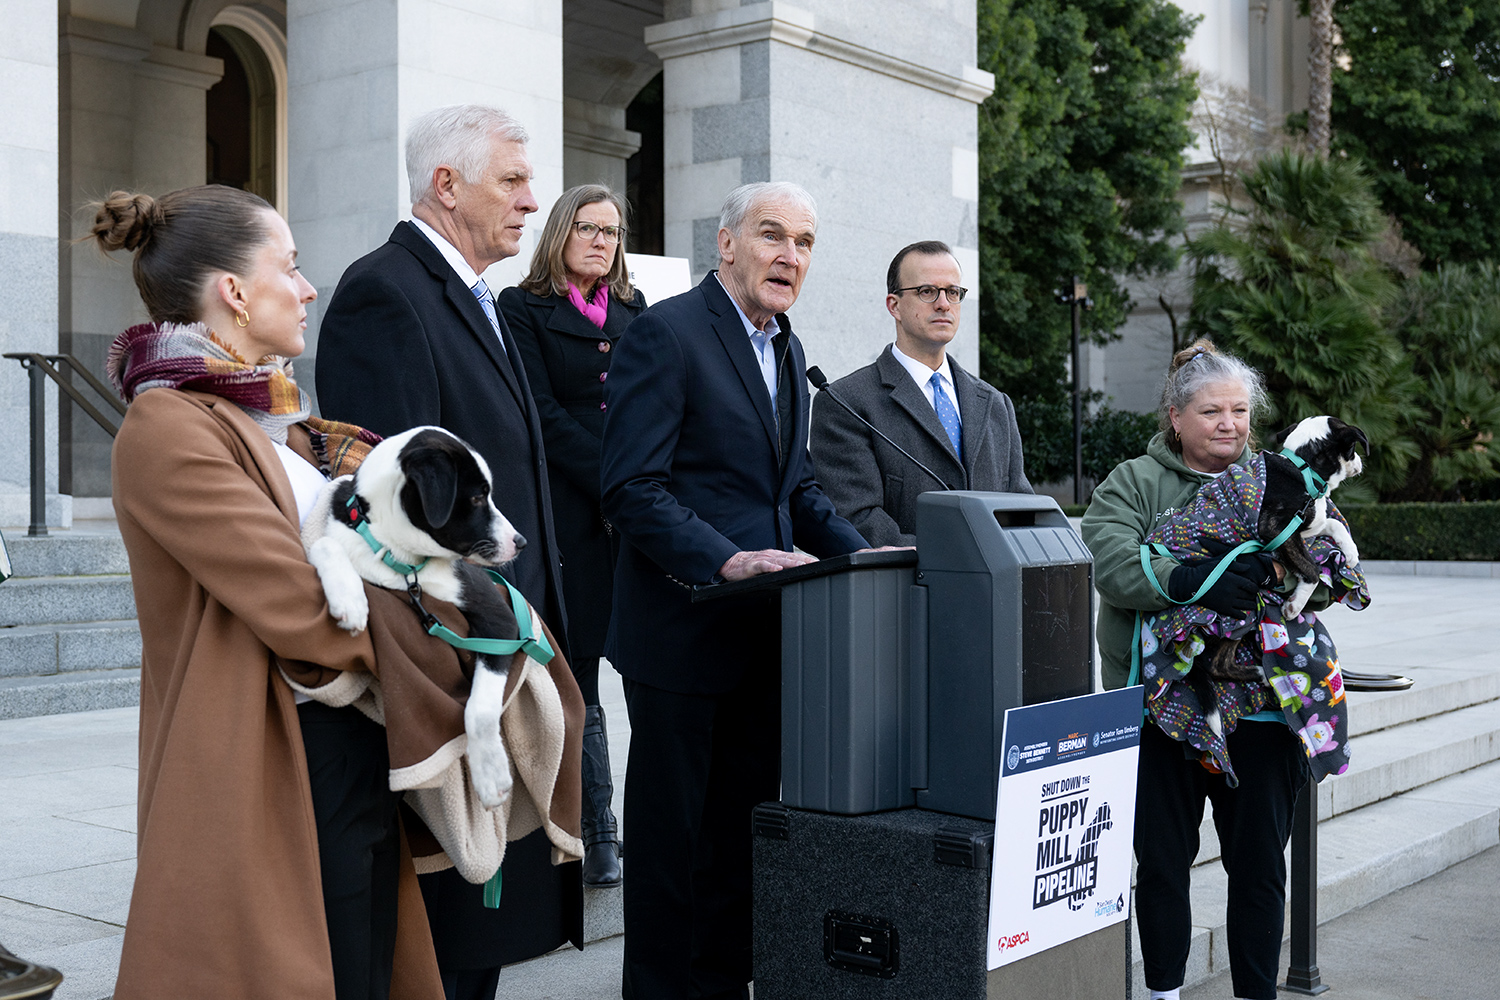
[[1363, 855], [41, 650], [15, 509], [77, 691], [45, 600], [603, 913], [1396, 760], [68, 553], [1438, 690]]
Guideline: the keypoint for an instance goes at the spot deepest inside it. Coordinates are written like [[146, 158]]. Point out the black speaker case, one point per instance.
[[885, 868]]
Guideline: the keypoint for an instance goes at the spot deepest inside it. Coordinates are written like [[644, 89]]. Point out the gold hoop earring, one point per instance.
[[242, 318]]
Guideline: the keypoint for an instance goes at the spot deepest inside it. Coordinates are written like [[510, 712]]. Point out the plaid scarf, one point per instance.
[[191, 356]]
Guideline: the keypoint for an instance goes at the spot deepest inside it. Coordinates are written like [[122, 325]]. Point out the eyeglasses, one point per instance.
[[586, 231], [929, 293]]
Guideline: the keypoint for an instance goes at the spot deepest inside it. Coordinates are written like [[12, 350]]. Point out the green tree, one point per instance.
[[1292, 285], [1080, 160], [1419, 102], [1448, 321]]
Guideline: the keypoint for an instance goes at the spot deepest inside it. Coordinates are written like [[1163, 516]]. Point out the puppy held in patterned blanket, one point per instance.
[[1198, 673]]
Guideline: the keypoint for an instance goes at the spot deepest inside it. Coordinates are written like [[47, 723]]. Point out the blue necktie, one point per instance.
[[946, 414], [487, 303]]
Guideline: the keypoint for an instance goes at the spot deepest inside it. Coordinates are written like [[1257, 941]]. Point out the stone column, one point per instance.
[[360, 70], [874, 115], [596, 144], [28, 242], [132, 117]]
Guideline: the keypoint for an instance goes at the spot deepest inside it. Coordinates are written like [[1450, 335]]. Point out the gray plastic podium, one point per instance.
[[897, 667], [872, 872]]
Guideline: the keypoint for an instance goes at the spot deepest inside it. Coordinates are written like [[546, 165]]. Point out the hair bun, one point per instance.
[[1199, 347], [124, 221]]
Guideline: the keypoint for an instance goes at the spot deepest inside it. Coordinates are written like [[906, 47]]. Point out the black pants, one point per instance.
[[1254, 822], [359, 845], [586, 673], [699, 764]]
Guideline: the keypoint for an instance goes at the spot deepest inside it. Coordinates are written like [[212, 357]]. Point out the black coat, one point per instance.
[[692, 473], [404, 343], [567, 360]]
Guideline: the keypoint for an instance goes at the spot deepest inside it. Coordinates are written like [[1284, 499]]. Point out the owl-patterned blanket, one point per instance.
[[1296, 657]]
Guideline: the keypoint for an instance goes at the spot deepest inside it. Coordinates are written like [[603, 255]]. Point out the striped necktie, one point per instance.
[[487, 303]]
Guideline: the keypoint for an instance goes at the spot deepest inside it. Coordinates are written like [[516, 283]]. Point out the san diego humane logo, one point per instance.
[[1067, 848]]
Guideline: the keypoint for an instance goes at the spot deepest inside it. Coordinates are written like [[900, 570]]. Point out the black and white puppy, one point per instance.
[[1328, 446], [425, 495]]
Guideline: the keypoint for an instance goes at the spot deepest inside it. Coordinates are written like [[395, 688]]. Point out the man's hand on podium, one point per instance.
[[746, 564]]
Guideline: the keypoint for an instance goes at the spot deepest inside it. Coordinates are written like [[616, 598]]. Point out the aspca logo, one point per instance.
[[1013, 757], [1015, 940], [1072, 743], [1110, 906]]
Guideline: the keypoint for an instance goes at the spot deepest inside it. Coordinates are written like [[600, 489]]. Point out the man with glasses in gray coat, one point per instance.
[[962, 429]]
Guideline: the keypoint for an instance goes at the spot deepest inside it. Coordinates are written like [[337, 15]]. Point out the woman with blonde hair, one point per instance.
[[566, 316], [270, 860]]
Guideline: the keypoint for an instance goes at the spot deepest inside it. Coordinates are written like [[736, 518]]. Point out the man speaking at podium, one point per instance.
[[961, 429], [706, 477]]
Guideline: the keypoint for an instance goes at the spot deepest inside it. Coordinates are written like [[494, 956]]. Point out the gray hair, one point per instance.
[[743, 198], [1198, 366], [457, 136]]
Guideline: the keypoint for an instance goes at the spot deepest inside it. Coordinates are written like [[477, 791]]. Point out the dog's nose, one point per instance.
[[520, 541]]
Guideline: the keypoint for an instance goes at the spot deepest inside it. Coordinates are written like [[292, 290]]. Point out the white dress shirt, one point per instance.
[[760, 342], [450, 253], [922, 375]]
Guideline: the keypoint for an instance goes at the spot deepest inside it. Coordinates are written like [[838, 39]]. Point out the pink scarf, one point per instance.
[[595, 311]]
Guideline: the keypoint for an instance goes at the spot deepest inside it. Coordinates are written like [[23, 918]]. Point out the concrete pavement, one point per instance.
[[67, 820]]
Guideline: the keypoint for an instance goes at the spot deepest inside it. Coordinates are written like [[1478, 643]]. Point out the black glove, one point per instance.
[[1233, 595], [1259, 566]]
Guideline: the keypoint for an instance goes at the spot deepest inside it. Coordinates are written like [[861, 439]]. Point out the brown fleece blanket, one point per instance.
[[422, 709]]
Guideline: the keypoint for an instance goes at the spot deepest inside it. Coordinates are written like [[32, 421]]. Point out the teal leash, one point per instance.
[[1317, 489], [532, 640]]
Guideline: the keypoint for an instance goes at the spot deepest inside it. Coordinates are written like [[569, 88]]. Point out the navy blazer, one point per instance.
[[691, 474]]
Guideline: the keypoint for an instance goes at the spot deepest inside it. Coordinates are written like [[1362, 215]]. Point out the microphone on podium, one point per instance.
[[820, 383]]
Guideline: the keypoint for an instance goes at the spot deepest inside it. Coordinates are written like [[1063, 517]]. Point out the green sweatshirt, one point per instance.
[[1136, 497]]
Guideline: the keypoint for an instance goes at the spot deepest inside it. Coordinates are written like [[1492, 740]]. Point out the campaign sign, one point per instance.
[[1064, 822]]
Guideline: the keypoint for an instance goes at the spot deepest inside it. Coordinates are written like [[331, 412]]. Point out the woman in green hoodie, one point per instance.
[[1207, 401]]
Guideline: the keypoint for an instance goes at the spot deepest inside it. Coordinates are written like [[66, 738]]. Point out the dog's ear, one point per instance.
[[1279, 438], [433, 473], [1358, 435]]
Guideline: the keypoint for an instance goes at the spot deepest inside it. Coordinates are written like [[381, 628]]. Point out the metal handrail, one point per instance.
[[1302, 975], [39, 367]]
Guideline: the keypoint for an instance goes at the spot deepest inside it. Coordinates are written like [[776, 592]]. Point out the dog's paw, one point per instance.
[[1298, 600], [1351, 555], [351, 614], [342, 586], [489, 770]]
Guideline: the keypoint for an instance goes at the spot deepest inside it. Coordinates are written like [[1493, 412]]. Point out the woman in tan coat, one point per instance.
[[214, 467]]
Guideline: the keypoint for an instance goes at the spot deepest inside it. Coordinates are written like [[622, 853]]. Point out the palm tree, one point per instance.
[[1320, 72]]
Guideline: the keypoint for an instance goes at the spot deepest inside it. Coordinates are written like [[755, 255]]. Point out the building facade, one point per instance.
[[871, 106]]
